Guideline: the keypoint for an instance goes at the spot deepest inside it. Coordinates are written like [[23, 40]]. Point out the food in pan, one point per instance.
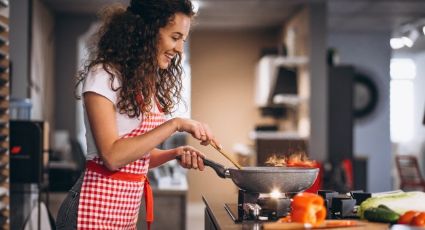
[[292, 159]]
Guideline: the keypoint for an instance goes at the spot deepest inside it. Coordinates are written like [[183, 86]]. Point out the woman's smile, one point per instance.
[[172, 38]]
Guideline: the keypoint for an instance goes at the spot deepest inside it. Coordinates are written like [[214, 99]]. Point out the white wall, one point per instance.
[[419, 127], [370, 52]]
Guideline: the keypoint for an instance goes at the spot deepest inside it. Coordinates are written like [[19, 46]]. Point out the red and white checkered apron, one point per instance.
[[110, 203]]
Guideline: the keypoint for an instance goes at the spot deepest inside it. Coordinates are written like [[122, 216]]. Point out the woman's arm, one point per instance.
[[117, 152], [189, 157], [159, 157]]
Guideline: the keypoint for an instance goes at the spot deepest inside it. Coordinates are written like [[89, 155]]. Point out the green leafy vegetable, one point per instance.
[[399, 203]]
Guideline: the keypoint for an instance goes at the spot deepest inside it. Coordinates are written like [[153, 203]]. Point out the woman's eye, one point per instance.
[[175, 38]]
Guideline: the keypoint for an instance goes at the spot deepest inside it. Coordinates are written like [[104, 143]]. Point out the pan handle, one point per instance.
[[218, 168]]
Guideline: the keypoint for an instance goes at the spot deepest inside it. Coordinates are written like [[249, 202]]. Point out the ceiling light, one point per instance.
[[196, 5], [396, 43], [423, 29], [407, 41], [414, 35], [410, 37]]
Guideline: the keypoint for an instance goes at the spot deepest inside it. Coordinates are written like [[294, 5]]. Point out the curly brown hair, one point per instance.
[[126, 47]]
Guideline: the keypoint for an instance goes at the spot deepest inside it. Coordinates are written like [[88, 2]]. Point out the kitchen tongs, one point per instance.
[[214, 145]]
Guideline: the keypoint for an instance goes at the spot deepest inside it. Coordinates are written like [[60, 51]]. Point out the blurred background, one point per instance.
[[340, 80]]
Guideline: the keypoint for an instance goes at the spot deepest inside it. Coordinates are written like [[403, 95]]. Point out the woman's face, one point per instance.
[[172, 38]]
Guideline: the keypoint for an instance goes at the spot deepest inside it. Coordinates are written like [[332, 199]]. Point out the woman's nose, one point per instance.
[[180, 46]]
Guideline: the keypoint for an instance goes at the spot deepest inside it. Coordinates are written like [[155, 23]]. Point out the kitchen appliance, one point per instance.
[[277, 75], [265, 193], [28, 151], [254, 206], [258, 207], [29, 144]]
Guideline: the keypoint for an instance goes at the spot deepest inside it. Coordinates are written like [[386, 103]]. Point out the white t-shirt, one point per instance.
[[99, 81]]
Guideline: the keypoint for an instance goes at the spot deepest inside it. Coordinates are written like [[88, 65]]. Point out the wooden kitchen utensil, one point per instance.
[[214, 145], [327, 225]]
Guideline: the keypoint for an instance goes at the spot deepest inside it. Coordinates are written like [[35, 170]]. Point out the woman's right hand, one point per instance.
[[190, 158], [197, 129]]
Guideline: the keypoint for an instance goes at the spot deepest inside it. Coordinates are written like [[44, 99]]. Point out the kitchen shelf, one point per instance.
[[4, 3], [4, 116], [3, 40], [267, 70], [4, 65], [3, 26], [275, 135], [3, 55], [4, 79]]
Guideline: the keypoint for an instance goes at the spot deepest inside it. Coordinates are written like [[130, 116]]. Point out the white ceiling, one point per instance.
[[349, 15], [373, 14]]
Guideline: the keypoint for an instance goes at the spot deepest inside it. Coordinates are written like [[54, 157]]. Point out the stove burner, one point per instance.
[[342, 205], [258, 207], [255, 207]]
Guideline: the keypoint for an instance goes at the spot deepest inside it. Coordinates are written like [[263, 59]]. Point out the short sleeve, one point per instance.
[[99, 81]]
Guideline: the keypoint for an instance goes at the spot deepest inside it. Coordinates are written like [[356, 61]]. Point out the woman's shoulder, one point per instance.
[[99, 75], [103, 70], [102, 82]]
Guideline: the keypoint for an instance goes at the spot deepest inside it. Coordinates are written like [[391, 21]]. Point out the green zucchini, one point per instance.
[[385, 207], [381, 214]]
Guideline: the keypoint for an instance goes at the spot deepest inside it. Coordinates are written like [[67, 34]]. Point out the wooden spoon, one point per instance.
[[214, 145]]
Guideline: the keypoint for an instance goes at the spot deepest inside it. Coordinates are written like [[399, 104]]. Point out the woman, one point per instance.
[[131, 80]]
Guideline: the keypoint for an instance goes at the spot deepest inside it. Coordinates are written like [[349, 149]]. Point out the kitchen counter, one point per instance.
[[216, 217]]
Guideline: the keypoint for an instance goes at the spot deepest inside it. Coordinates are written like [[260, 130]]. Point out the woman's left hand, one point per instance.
[[190, 157]]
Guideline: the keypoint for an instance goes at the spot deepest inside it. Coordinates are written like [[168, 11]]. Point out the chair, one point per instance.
[[409, 173]]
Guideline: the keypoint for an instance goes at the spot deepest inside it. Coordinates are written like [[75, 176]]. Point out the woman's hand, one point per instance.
[[197, 129], [190, 158]]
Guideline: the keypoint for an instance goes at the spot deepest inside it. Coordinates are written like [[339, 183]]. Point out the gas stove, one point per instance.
[[256, 207]]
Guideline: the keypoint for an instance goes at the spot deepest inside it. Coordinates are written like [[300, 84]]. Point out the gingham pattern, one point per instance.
[[114, 204]]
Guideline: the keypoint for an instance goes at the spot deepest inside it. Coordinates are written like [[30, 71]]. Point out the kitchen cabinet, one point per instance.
[[4, 117], [169, 210]]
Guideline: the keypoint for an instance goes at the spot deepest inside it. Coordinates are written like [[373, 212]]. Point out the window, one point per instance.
[[184, 107], [403, 72]]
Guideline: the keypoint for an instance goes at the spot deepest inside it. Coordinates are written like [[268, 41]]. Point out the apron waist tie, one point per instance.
[[117, 175]]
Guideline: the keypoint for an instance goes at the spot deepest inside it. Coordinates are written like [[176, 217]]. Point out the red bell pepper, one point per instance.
[[308, 208]]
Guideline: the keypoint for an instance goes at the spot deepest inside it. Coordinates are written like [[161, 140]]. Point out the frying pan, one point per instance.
[[267, 179]]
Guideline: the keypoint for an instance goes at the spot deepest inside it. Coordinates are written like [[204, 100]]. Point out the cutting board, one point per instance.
[[329, 224]]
